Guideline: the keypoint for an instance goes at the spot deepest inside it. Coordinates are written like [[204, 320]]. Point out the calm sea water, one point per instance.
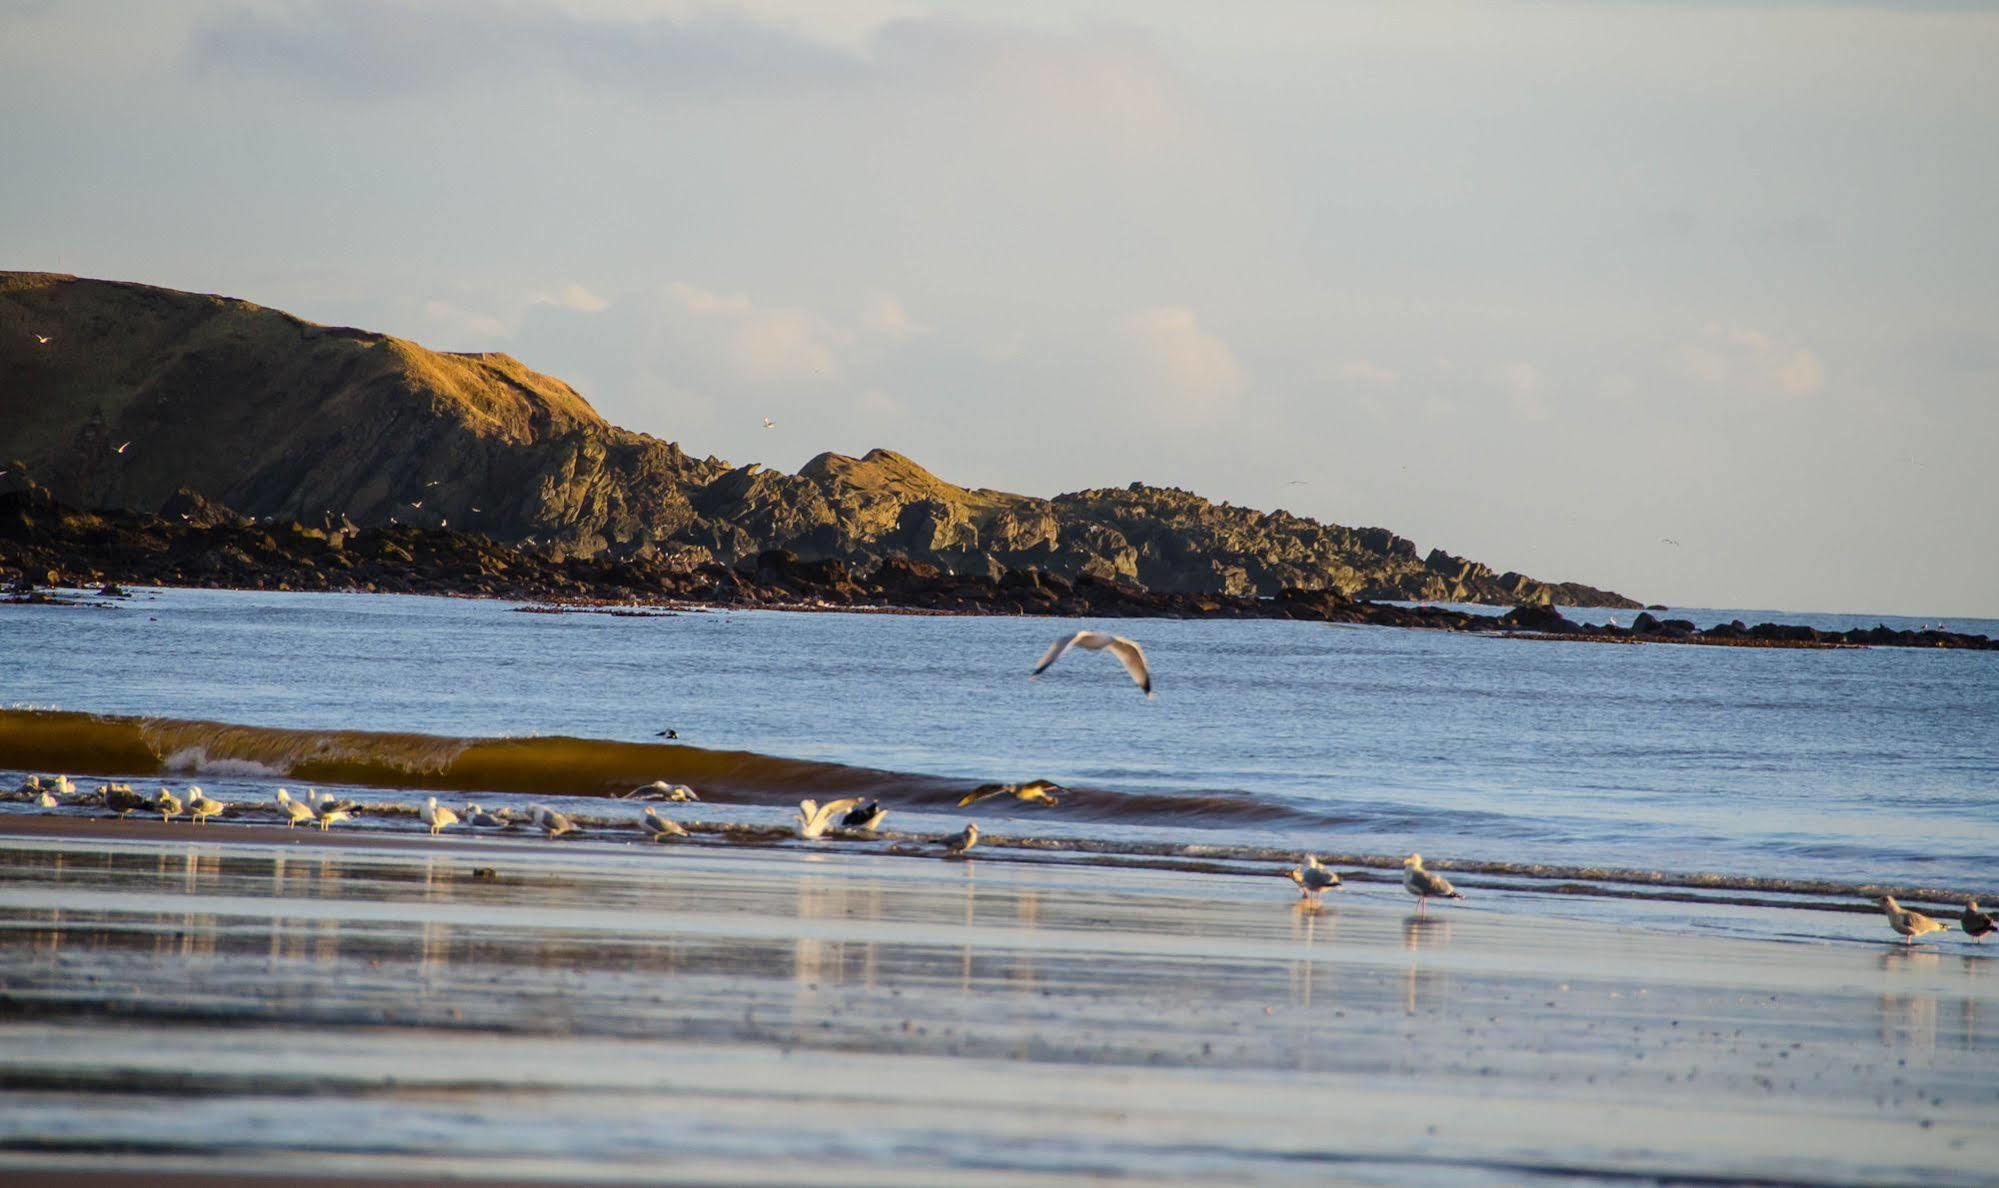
[[1854, 765]]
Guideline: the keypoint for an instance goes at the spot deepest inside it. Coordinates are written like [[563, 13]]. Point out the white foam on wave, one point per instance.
[[195, 759]]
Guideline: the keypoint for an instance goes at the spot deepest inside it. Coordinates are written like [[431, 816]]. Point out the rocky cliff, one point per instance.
[[140, 391]]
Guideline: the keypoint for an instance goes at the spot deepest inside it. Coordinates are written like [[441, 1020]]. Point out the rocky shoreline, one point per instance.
[[193, 543]]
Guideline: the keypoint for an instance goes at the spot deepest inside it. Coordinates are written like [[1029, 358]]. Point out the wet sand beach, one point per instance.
[[254, 1005]]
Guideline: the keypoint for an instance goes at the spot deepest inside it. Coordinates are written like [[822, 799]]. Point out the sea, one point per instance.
[[1837, 770]]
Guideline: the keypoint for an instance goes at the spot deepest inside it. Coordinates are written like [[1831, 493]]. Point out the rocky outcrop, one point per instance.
[[145, 398]]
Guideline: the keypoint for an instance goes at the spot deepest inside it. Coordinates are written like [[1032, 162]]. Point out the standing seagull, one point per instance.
[[866, 818], [815, 818], [435, 817], [201, 808], [293, 811], [168, 804], [1977, 924], [1910, 924], [552, 823], [1312, 878], [1032, 792], [1424, 883], [957, 846], [120, 799], [660, 827], [1128, 654]]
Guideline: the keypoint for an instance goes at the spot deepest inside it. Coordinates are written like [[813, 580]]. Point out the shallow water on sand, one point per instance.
[[1850, 765], [773, 1016]]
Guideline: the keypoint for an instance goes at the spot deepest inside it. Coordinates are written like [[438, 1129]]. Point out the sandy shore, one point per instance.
[[265, 1004]]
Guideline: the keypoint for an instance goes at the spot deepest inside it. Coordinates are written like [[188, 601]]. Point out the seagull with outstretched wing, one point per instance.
[[1032, 792], [815, 818], [1127, 652]]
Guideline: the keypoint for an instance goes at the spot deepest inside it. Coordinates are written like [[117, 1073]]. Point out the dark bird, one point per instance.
[[1032, 792], [1977, 924], [667, 733], [868, 817]]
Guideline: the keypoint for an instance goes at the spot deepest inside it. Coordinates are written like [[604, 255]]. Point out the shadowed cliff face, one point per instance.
[[277, 417]]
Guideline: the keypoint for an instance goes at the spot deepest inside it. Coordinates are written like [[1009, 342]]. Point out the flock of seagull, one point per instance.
[[814, 820]]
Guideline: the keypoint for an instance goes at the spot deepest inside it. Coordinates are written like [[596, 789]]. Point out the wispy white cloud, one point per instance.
[[764, 344], [1183, 373], [1752, 360]]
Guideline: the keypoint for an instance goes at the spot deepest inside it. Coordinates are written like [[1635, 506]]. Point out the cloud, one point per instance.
[[1749, 359], [1525, 386], [1365, 371], [763, 344], [885, 316], [462, 324], [571, 296], [1182, 371], [378, 48]]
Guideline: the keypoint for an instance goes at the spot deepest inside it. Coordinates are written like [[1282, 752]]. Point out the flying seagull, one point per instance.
[[121, 449], [436, 816], [815, 818], [42, 340], [1032, 792], [1128, 654], [1977, 924], [1910, 924], [416, 503], [660, 827], [1423, 883], [1312, 878], [661, 790], [1669, 540], [769, 424], [957, 846], [866, 818]]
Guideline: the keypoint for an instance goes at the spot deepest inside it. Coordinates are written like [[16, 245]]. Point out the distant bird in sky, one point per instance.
[[769, 424], [1669, 540], [815, 818], [1128, 654], [1312, 878], [1032, 792], [660, 828], [437, 816], [42, 340], [867, 818], [964, 841], [432, 483], [416, 503], [1424, 884], [1298, 483], [476, 509], [121, 449], [1910, 924], [1977, 924]]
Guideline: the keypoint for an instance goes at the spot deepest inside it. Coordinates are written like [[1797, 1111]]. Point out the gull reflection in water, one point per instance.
[[1420, 987], [1307, 922]]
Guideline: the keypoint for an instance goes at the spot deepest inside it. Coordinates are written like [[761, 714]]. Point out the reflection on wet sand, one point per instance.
[[1220, 1020]]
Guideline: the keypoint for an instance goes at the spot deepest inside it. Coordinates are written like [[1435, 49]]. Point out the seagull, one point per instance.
[[479, 818], [1910, 924], [957, 846], [432, 483], [120, 799], [1977, 925], [866, 818], [42, 340], [668, 733], [168, 804], [416, 503], [551, 822], [661, 790], [1032, 792], [293, 811], [44, 798], [1424, 883], [1312, 878], [435, 817], [769, 424], [815, 818], [121, 449], [32, 784], [1298, 483], [1669, 540], [660, 827], [201, 807], [1127, 653], [67, 787]]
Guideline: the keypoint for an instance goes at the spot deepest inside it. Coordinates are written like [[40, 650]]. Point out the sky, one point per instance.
[[1697, 300]]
